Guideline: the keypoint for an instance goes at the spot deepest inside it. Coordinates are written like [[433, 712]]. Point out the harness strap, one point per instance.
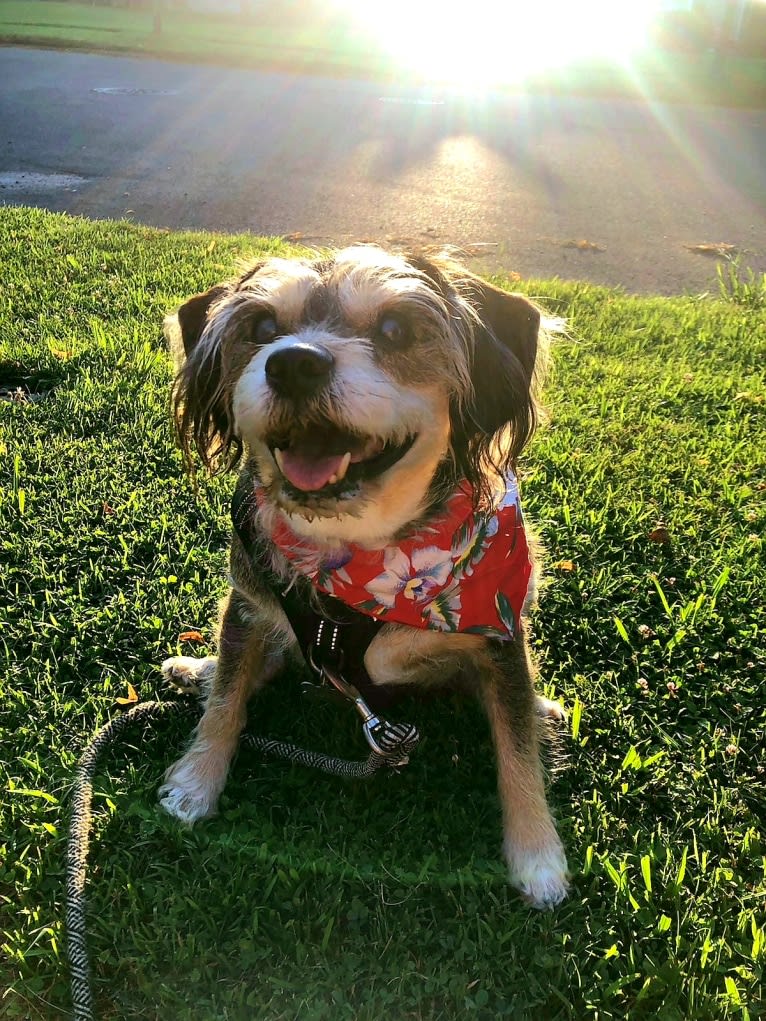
[[329, 633]]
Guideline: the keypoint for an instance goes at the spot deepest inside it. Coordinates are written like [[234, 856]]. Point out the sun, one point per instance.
[[480, 42]]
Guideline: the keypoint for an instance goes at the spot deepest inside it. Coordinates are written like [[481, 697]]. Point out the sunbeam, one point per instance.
[[485, 43]]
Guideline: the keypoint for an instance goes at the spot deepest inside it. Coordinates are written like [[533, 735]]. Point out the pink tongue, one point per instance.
[[309, 473]]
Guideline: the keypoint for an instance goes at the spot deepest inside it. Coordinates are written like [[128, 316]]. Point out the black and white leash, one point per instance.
[[390, 745]]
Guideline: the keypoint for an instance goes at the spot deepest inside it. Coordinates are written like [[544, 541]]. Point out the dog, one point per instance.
[[376, 404]]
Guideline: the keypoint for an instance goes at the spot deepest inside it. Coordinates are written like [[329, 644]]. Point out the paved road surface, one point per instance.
[[525, 177]]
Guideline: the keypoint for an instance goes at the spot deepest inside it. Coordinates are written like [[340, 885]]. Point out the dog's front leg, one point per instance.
[[193, 784], [536, 860]]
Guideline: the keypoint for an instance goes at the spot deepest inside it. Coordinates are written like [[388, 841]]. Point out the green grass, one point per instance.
[[313, 898], [313, 44], [335, 44]]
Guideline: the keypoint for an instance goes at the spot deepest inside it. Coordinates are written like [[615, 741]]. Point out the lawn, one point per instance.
[[321, 899], [294, 43], [333, 44]]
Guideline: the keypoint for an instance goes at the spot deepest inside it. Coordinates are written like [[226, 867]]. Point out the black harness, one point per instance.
[[332, 636]]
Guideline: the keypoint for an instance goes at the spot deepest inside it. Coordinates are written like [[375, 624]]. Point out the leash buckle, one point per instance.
[[392, 741]]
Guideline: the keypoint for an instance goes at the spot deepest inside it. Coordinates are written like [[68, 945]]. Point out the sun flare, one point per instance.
[[484, 42]]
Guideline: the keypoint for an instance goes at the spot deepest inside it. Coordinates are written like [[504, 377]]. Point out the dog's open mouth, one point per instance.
[[321, 456]]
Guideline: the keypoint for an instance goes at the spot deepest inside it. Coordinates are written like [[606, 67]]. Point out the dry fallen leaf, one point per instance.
[[132, 696], [564, 565], [659, 533], [191, 636], [717, 249], [584, 246], [646, 632]]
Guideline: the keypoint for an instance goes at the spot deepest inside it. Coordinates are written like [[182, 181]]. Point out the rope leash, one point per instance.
[[394, 742]]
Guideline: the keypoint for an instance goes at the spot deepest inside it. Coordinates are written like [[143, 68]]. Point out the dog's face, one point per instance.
[[364, 386]]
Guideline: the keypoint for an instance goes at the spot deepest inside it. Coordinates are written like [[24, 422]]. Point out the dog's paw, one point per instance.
[[541, 876], [551, 710], [188, 793], [186, 674]]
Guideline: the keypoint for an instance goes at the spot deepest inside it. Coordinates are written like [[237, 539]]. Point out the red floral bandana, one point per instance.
[[465, 571]]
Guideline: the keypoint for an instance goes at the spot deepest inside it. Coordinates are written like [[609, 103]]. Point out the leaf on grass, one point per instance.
[[191, 636], [659, 533], [718, 249], [295, 236], [63, 354], [106, 508], [564, 565], [132, 696]]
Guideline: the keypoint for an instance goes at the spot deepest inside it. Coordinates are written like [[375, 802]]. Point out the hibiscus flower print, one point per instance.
[[412, 579]]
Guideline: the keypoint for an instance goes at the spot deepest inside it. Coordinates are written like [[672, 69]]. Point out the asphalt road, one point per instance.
[[522, 178]]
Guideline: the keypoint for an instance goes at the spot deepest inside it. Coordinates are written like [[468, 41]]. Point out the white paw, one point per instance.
[[549, 709], [186, 673], [540, 876], [187, 793]]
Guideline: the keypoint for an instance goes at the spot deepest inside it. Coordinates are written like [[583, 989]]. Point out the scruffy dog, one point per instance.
[[377, 404]]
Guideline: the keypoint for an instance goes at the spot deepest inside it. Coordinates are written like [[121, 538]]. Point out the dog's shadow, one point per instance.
[[289, 843], [443, 803]]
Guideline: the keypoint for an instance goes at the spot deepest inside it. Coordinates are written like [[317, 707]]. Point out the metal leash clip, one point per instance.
[[392, 741]]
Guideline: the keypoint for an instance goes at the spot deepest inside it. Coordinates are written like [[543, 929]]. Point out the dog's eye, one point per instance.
[[392, 330], [266, 330]]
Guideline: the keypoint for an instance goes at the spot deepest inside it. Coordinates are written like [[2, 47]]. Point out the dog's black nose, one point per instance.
[[299, 370]]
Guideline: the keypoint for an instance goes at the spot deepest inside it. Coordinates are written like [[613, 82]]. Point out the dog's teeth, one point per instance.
[[342, 467], [278, 459]]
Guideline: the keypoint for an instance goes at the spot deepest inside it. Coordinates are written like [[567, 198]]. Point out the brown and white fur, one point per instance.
[[426, 375]]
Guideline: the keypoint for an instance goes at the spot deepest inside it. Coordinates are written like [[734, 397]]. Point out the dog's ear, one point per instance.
[[184, 328], [511, 319], [192, 316], [201, 410], [494, 423]]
